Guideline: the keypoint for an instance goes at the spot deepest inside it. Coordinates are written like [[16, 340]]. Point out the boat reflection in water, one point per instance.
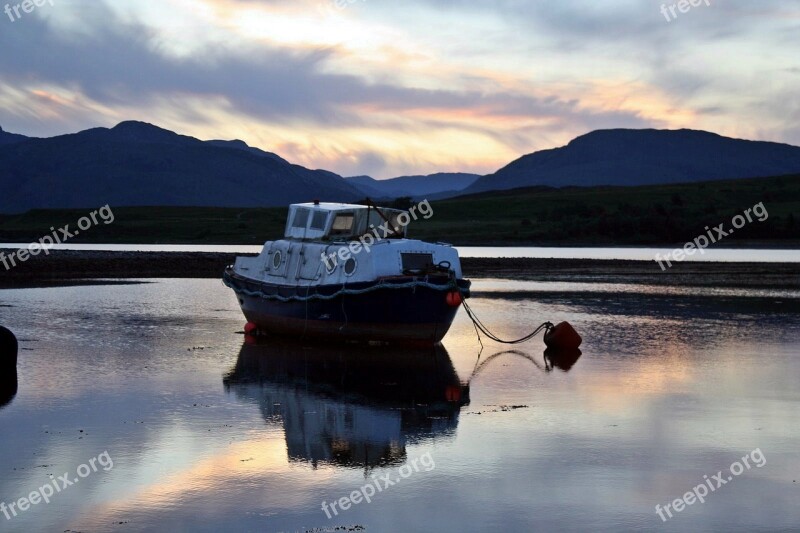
[[350, 405], [8, 388]]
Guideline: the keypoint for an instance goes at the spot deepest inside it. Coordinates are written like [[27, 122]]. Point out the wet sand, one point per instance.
[[65, 267]]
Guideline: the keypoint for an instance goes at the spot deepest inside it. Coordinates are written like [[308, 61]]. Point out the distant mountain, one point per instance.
[[644, 157], [414, 186], [368, 186], [138, 164], [241, 145], [10, 138]]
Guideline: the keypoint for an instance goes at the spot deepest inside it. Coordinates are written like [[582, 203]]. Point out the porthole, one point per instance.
[[350, 267], [277, 257], [331, 262]]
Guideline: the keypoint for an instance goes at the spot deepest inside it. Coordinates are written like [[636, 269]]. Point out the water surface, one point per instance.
[[210, 433]]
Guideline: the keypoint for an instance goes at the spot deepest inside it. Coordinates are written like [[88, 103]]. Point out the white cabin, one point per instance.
[[328, 221], [331, 243]]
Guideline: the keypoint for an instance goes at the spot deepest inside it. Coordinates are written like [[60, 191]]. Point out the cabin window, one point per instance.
[[395, 226], [421, 262], [343, 224], [300, 218], [319, 220]]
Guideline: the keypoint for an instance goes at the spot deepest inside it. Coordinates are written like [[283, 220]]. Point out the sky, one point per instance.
[[389, 88]]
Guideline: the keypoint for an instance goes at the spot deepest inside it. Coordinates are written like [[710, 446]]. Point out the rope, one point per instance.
[[343, 291], [480, 326]]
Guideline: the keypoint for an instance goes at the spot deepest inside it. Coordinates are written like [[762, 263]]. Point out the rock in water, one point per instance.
[[8, 350], [8, 366]]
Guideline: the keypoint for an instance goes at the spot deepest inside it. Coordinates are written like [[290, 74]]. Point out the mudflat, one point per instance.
[[68, 267]]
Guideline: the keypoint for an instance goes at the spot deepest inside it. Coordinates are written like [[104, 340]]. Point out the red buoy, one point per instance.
[[250, 328], [454, 298], [562, 337]]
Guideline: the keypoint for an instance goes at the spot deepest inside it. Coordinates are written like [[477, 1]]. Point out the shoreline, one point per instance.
[[70, 267], [92, 246]]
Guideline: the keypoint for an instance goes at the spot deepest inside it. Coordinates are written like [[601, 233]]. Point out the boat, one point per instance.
[[349, 272]]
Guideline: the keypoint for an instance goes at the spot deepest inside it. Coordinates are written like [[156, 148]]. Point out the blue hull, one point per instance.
[[402, 309]]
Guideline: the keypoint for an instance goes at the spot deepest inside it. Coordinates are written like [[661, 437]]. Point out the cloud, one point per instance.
[[364, 83]]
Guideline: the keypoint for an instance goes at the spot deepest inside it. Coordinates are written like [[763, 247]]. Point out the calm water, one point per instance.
[[208, 433], [632, 254]]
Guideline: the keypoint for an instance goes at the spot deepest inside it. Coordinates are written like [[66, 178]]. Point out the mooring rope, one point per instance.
[[480, 326]]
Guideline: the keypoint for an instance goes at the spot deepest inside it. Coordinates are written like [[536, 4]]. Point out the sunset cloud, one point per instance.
[[393, 88]]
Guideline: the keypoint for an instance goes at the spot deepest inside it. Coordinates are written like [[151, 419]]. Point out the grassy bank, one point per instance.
[[649, 215]]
